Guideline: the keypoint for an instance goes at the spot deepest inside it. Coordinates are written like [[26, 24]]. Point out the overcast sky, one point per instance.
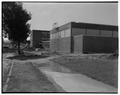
[[45, 14]]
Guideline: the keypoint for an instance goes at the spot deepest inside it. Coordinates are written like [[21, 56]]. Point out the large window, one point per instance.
[[78, 31], [106, 33], [92, 32], [52, 36], [60, 34], [56, 35], [67, 33]]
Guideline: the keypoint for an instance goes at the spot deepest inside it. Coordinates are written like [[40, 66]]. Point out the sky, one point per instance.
[[44, 15]]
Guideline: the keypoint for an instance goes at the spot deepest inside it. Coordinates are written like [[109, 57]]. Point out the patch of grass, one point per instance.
[[102, 70]]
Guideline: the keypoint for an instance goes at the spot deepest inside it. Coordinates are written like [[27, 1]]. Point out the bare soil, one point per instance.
[[25, 78]]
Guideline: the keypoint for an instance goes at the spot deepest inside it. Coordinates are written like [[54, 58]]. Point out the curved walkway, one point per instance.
[[65, 78], [72, 82]]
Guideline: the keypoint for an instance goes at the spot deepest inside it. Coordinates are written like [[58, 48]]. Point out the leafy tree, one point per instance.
[[14, 22]]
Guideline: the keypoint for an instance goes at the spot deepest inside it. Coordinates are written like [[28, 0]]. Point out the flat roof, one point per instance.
[[41, 30], [87, 26], [94, 26]]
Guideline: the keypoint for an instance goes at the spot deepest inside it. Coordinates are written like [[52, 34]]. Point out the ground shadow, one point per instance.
[[27, 57], [7, 50]]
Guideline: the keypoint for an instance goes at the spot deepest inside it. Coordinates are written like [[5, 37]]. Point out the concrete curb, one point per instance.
[[60, 89], [8, 78]]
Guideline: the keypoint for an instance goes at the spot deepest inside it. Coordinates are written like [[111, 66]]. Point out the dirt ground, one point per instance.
[[24, 77]]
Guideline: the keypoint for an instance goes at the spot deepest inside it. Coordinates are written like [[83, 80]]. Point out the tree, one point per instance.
[[14, 22]]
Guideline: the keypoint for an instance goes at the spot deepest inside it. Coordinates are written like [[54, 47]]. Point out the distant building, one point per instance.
[[84, 38], [38, 37]]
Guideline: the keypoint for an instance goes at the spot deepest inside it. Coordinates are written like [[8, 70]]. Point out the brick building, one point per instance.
[[84, 38], [38, 37]]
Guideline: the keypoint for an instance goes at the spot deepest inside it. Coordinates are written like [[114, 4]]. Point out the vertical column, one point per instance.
[[71, 39], [86, 31], [99, 32], [112, 33]]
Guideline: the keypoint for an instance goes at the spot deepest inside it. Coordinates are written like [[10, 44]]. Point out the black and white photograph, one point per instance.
[[59, 47]]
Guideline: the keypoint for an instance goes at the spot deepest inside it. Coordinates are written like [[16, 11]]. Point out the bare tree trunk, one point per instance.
[[19, 48]]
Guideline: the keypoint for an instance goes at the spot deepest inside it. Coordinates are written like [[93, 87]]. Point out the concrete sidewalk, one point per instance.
[[77, 82]]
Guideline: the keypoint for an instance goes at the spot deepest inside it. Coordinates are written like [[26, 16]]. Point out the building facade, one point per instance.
[[84, 38], [38, 37]]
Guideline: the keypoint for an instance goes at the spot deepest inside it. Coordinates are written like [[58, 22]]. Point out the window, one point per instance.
[[67, 33], [106, 33], [62, 34], [51, 36], [59, 34], [92, 32], [78, 31]]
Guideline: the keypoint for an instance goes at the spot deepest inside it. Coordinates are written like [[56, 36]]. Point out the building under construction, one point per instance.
[[39, 38]]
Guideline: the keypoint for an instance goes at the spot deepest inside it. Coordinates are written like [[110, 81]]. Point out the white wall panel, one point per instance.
[[62, 34], [67, 33]]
